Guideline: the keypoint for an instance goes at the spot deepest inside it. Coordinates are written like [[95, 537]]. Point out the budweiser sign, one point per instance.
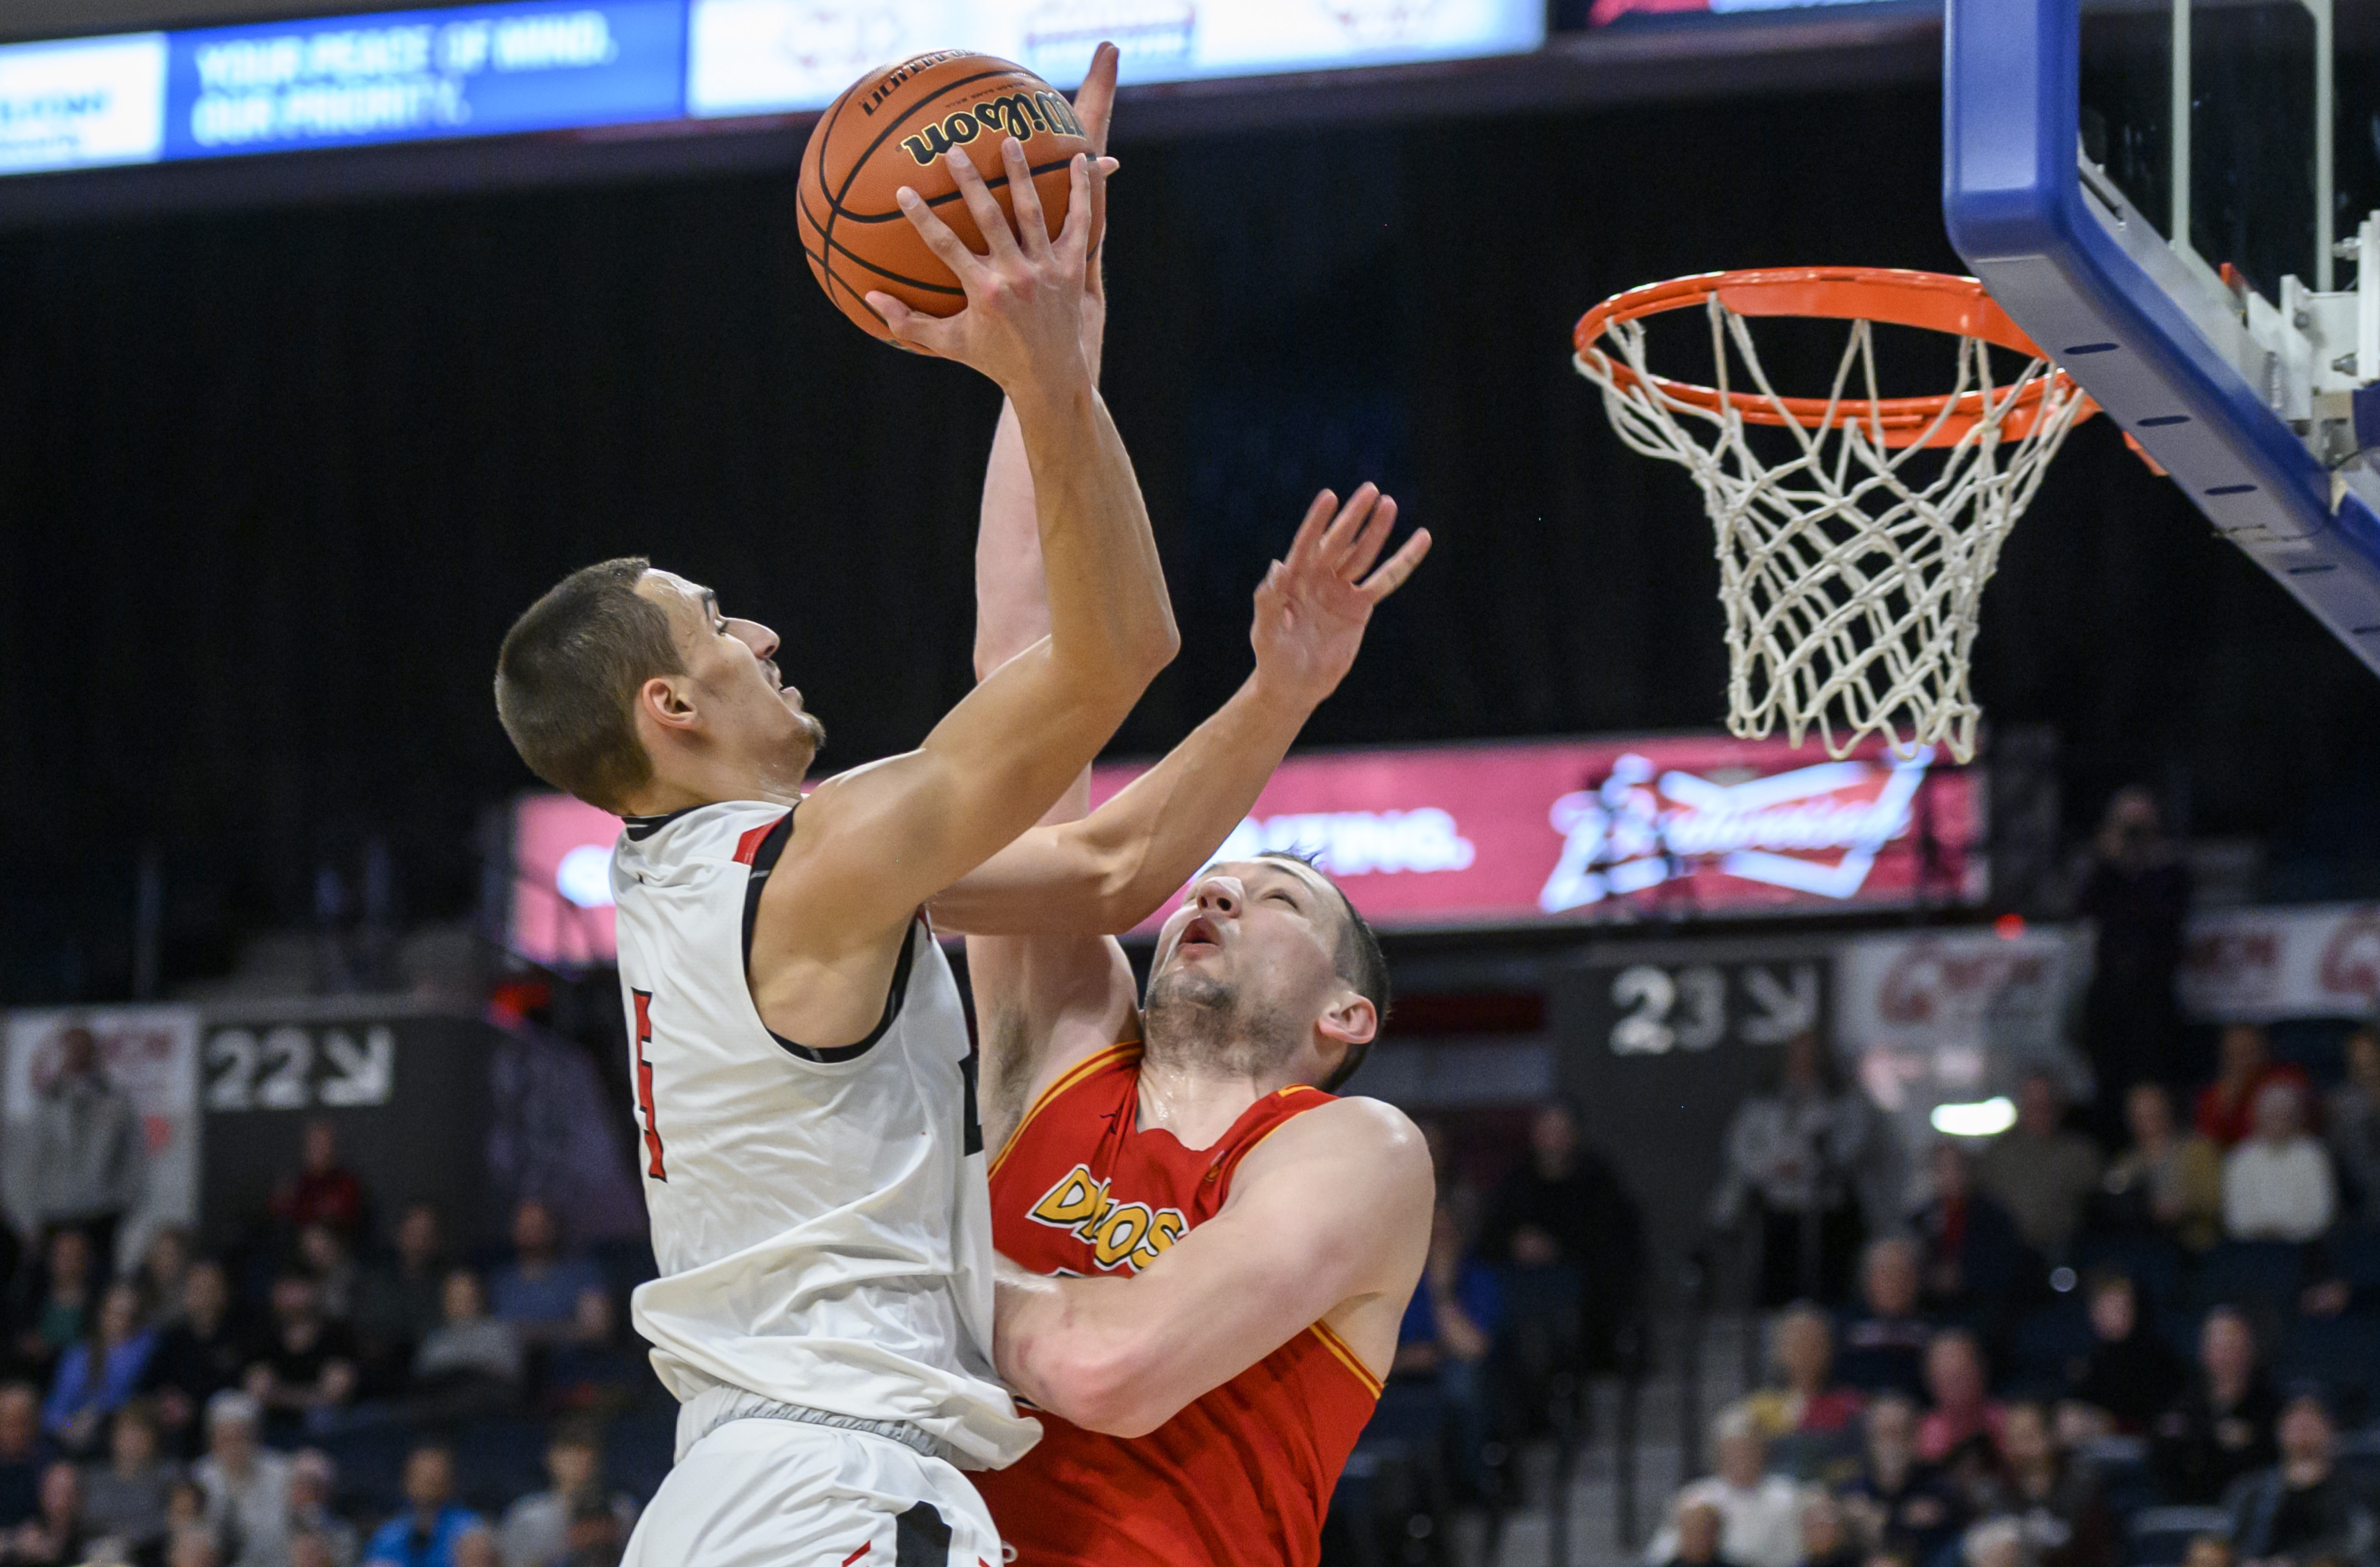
[[1815, 829], [1603, 829]]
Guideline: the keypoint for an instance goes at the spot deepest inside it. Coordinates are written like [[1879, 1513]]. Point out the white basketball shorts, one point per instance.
[[781, 1493]]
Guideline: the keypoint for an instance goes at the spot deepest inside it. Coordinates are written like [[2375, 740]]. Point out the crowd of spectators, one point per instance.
[[2060, 1353], [194, 1410]]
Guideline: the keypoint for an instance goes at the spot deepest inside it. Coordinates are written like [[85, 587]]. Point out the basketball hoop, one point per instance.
[[1851, 571]]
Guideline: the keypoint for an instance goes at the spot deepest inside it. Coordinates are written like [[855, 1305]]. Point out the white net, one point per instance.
[[1852, 569]]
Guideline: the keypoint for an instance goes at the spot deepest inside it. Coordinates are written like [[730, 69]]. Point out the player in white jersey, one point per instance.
[[804, 1080]]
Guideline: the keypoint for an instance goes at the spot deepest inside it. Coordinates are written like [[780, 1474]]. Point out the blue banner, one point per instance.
[[403, 76]]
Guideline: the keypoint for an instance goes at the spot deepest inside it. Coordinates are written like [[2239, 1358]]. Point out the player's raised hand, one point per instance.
[[1023, 321], [1312, 608], [1095, 106]]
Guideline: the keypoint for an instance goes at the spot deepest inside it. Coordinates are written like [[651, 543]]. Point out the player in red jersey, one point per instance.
[[1241, 1243]]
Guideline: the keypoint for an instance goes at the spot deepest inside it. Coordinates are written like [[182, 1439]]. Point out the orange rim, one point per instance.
[[1933, 301]]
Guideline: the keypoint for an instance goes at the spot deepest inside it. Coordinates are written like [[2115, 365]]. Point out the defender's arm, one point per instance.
[[1331, 1213], [1110, 870]]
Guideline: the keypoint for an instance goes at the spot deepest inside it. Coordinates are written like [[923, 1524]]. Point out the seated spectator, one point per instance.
[[2302, 1510], [424, 1535], [55, 1534], [1995, 1542], [322, 1257], [1444, 1340], [1760, 1513], [125, 1498], [402, 1300], [2277, 1185], [1884, 1345], [1962, 1407], [1972, 1254], [197, 1356], [1811, 1403], [540, 1292], [2352, 1123], [2209, 1550], [2227, 1107], [2166, 1182], [165, 1267], [598, 1537], [99, 1374], [1793, 1152], [186, 1518], [477, 1548], [2132, 1374], [58, 1315], [1576, 1241], [1826, 1534], [2223, 1427], [246, 1485], [312, 1480], [306, 1363], [324, 1191], [193, 1547], [538, 1527], [2055, 1501], [21, 1457], [312, 1547], [1696, 1532], [1899, 1502], [2042, 1174], [469, 1355]]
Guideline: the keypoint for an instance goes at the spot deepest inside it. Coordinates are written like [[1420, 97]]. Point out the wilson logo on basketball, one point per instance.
[[1018, 114], [1126, 1235]]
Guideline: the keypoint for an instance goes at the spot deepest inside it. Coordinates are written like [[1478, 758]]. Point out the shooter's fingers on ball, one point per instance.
[[938, 236], [997, 235], [1085, 208], [1095, 99], [926, 334], [1032, 228]]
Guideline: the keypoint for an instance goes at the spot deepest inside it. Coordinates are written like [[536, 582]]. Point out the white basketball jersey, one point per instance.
[[819, 1216]]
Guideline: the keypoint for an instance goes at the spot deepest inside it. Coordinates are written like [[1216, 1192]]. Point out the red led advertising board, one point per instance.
[[1598, 829], [1495, 835]]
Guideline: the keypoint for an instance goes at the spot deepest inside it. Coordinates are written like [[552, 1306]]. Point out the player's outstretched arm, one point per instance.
[[1328, 1219], [875, 843], [1109, 871]]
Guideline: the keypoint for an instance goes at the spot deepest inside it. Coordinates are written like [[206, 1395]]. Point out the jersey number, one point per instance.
[[653, 1166]]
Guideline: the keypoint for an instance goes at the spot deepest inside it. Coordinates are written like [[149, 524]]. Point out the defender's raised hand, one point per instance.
[[1023, 318], [1312, 607]]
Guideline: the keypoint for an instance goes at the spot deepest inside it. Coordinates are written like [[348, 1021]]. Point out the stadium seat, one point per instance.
[[499, 1459], [2250, 1273], [2352, 1252], [2150, 1262], [2341, 1353], [2161, 1536], [2046, 1343]]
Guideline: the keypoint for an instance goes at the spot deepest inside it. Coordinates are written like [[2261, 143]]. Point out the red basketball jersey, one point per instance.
[[1242, 1475]]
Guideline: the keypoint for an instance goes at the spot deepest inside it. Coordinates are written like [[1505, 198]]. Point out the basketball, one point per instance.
[[891, 128]]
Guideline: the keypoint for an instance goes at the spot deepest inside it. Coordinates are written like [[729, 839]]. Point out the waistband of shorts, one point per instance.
[[736, 1404]]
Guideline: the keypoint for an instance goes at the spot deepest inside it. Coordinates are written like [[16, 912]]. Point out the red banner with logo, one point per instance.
[[1599, 829]]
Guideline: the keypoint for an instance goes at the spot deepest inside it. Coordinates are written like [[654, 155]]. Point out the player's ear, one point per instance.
[[666, 702], [1351, 1019]]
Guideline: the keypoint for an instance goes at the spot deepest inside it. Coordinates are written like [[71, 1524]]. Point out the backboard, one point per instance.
[[2152, 188]]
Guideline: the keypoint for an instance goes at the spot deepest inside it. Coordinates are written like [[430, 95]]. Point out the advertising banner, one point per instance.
[[1583, 830], [562, 880], [2255, 965], [478, 70], [82, 102], [768, 56], [148, 1053]]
